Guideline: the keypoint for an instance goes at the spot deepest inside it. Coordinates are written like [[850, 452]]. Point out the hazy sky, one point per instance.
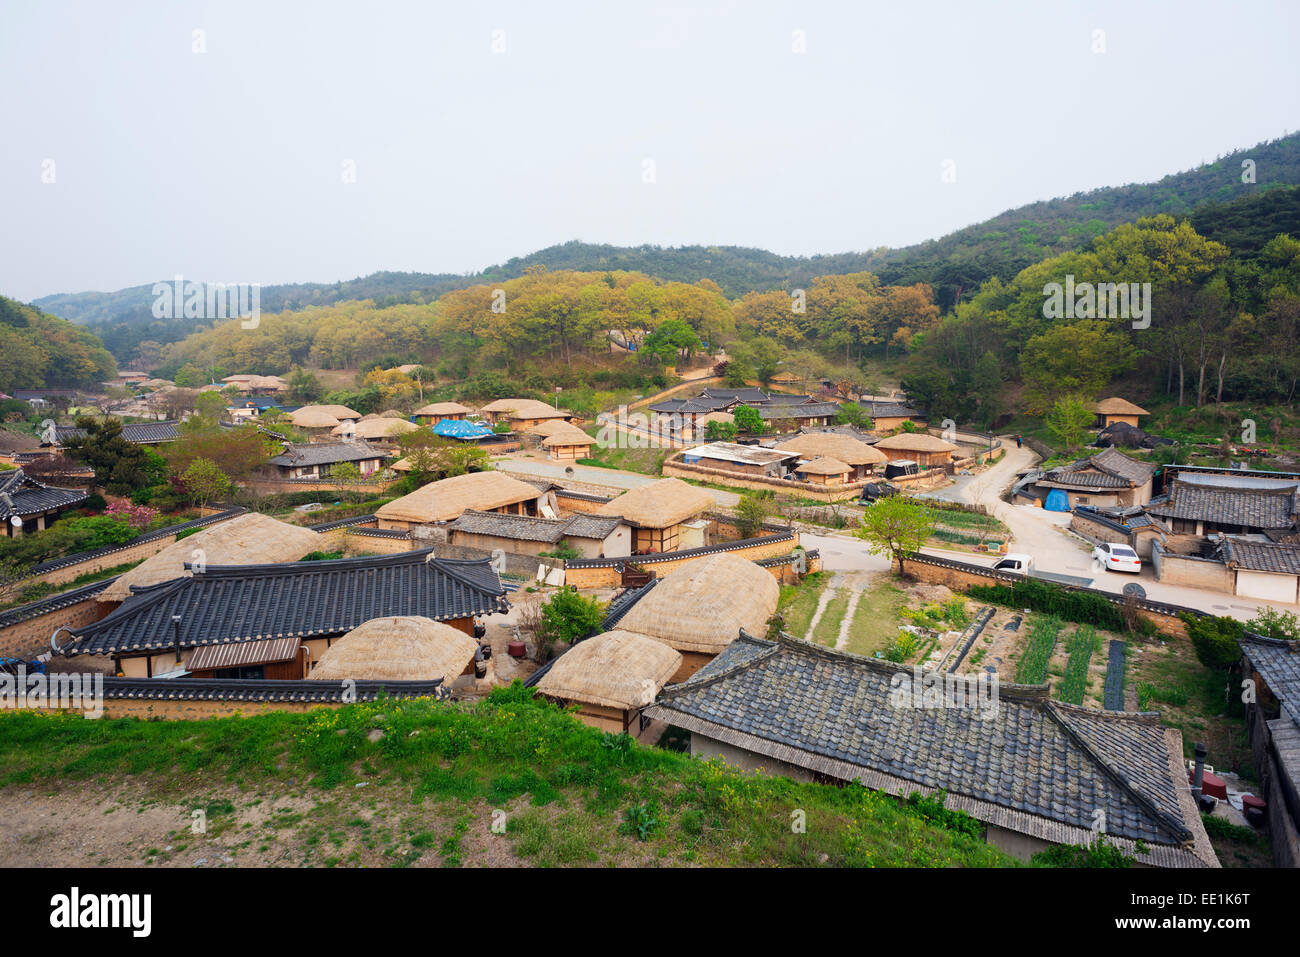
[[228, 165]]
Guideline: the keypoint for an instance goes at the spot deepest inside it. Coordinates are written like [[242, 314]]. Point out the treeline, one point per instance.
[[39, 351], [1216, 326]]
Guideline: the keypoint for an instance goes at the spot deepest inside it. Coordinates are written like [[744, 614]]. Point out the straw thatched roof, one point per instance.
[[377, 428], [618, 669], [313, 417], [550, 427], [446, 499], [845, 448], [1117, 406], [824, 465], [916, 442], [249, 383], [526, 409], [400, 648], [251, 539], [566, 437], [724, 417], [702, 605], [443, 408], [660, 504]]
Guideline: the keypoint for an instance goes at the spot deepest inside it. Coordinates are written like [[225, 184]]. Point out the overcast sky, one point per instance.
[[229, 165]]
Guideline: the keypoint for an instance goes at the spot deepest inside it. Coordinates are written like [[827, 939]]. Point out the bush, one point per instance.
[[569, 617], [1101, 853], [1036, 595], [1215, 639]]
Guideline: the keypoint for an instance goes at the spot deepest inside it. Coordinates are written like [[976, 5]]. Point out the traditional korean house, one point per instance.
[[1113, 410], [523, 414], [751, 460], [657, 511], [824, 470], [322, 418], [1273, 720], [791, 416], [137, 433], [594, 536], [316, 460], [1109, 478], [449, 498], [1033, 771], [887, 416], [922, 448], [383, 431], [436, 412], [1262, 569], [1197, 503], [398, 648], [611, 677], [700, 608], [860, 457], [568, 444], [259, 608], [27, 505]]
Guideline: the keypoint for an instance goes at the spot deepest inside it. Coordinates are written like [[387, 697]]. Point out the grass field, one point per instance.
[[799, 602], [827, 631], [414, 781], [877, 617]]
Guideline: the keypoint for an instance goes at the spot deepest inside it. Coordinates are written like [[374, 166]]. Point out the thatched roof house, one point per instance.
[[1112, 410], [322, 416], [250, 539], [398, 648], [612, 677], [825, 470], [921, 447], [856, 454], [376, 429], [656, 510], [700, 608], [568, 443], [448, 498], [435, 412], [522, 414]]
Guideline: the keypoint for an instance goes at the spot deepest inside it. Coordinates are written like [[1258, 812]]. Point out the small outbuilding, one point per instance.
[[860, 457], [611, 677], [657, 511], [1112, 410], [398, 648], [924, 449]]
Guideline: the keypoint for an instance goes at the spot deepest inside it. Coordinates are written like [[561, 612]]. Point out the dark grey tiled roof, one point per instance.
[[785, 398], [44, 606], [308, 599], [623, 603], [20, 494], [699, 404], [1249, 508], [744, 395], [1107, 469], [267, 690], [831, 711], [891, 410], [141, 433], [798, 411], [525, 528], [1278, 663], [1261, 556], [325, 453]]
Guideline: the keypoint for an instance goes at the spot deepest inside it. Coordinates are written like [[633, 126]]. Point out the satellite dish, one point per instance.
[[16, 522], [1136, 590]]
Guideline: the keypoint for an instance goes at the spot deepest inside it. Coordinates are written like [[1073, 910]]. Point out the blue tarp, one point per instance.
[[460, 429], [1057, 501]]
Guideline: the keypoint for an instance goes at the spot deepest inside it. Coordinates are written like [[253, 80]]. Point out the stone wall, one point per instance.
[[607, 576], [822, 493], [31, 636], [1191, 571]]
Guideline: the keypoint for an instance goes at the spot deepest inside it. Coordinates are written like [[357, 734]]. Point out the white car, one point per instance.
[[1117, 558]]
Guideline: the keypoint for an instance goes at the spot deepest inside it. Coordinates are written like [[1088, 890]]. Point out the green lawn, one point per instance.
[[566, 793], [798, 602], [827, 631], [877, 617]]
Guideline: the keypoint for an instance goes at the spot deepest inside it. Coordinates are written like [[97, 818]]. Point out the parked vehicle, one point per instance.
[[1015, 562], [1117, 558]]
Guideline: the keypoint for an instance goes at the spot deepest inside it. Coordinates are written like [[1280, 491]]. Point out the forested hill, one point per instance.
[[1243, 216], [40, 351]]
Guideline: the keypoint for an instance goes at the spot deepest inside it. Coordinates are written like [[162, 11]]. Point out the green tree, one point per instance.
[[751, 512], [120, 466], [896, 527], [205, 483], [853, 414], [1069, 420], [570, 617], [748, 420], [721, 431]]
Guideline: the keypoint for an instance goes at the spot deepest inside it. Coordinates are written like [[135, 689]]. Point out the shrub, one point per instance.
[[569, 617], [1215, 639], [1037, 595]]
